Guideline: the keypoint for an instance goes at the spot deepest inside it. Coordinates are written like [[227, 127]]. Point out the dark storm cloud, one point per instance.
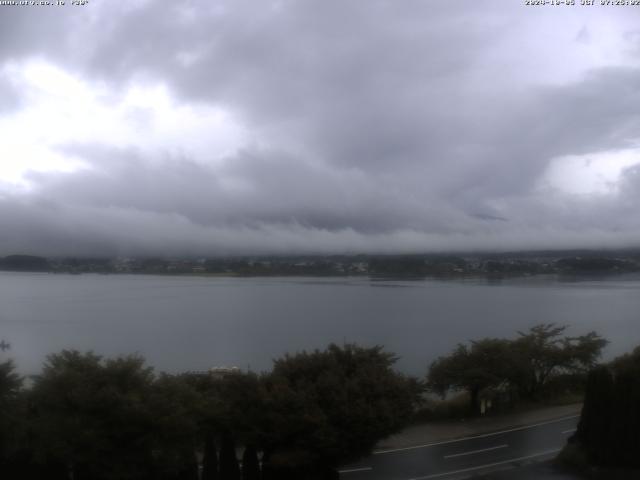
[[379, 88], [252, 188], [375, 126]]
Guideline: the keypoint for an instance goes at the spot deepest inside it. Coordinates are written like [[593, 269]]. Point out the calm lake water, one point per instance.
[[193, 323]]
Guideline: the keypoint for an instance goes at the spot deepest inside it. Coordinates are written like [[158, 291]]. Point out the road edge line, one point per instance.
[[471, 437], [473, 452], [488, 465], [354, 470]]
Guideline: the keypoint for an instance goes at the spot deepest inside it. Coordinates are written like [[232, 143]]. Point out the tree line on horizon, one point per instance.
[[493, 265]]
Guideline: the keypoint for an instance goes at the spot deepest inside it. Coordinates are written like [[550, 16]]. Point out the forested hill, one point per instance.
[[25, 263]]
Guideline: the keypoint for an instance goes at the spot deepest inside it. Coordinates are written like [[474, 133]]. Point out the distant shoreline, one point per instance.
[[563, 277], [488, 266]]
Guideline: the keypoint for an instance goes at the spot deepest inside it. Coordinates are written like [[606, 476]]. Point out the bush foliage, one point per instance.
[[537, 362], [88, 417]]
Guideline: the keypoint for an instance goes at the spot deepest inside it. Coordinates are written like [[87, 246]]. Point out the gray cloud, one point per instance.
[[372, 126]]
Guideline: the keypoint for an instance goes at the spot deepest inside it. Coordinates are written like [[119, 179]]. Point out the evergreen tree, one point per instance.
[[229, 468], [624, 447], [595, 421], [10, 423], [210, 459], [190, 468], [250, 464], [609, 428], [267, 471]]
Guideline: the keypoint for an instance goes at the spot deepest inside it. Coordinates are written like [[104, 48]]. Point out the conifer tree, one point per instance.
[[189, 470], [595, 421], [624, 442], [229, 468], [250, 464], [210, 459], [609, 428]]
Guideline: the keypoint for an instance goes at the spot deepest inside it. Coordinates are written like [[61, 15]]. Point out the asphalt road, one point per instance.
[[466, 457]]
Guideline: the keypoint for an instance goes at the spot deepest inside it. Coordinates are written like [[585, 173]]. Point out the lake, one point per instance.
[[193, 323]]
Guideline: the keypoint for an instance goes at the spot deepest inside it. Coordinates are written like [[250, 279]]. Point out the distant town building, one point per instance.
[[222, 372]]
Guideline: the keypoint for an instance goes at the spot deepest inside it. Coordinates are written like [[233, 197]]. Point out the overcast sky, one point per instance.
[[221, 127]]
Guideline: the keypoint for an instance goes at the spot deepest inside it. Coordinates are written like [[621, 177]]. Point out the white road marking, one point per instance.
[[488, 465], [475, 451], [353, 470], [564, 432], [485, 435]]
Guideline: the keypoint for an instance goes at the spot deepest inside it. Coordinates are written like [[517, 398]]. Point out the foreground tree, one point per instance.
[[484, 364], [209, 459], [10, 383], [609, 427], [250, 464], [326, 407], [543, 352], [229, 468], [87, 417], [175, 406], [595, 422], [112, 419], [525, 364], [11, 423], [91, 415]]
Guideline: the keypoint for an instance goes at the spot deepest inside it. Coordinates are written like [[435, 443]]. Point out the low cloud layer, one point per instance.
[[202, 128]]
